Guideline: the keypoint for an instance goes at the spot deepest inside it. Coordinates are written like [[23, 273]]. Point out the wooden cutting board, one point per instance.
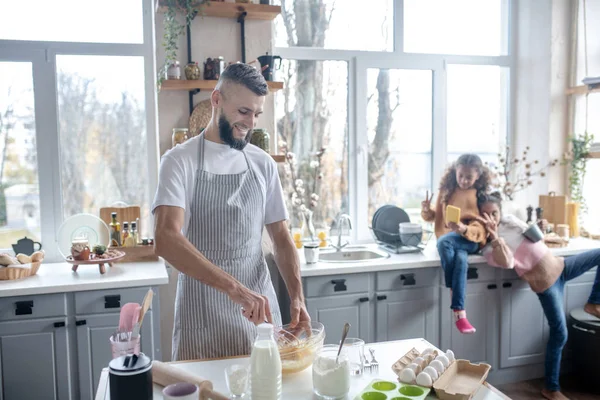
[[124, 214], [555, 208]]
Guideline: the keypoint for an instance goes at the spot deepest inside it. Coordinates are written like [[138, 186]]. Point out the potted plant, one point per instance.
[[576, 159], [173, 29]]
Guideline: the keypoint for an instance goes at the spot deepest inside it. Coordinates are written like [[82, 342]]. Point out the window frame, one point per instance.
[[43, 55], [358, 63]]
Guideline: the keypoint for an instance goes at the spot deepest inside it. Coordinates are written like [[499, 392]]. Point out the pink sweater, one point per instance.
[[531, 261]]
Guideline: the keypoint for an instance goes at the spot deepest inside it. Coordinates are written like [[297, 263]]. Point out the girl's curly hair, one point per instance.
[[448, 184]]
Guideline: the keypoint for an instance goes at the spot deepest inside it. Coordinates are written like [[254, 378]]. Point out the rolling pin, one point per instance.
[[164, 375]]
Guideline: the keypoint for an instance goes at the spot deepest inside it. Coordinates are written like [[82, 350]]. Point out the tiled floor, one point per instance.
[[530, 390]]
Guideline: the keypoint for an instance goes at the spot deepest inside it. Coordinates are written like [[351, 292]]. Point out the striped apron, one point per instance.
[[226, 225]]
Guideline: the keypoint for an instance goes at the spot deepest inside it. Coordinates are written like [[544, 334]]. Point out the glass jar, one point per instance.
[[260, 138], [192, 71], [180, 135], [174, 71], [331, 377]]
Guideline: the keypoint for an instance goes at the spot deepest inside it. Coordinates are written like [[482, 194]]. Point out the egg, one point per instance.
[[444, 360], [450, 355], [415, 367], [429, 358], [420, 361], [407, 375], [431, 372], [427, 351], [424, 380], [438, 366]]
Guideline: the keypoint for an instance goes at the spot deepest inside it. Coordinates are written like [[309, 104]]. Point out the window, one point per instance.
[[468, 27], [477, 118], [585, 106], [106, 21], [394, 92], [335, 24], [19, 188], [311, 114], [80, 115]]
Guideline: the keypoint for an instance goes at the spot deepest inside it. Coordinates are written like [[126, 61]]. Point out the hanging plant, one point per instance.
[[576, 159], [173, 29]]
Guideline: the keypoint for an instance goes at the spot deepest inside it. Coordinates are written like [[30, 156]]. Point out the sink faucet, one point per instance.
[[338, 223]]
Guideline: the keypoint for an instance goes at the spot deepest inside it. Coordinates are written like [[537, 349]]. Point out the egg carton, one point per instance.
[[422, 369], [385, 390]]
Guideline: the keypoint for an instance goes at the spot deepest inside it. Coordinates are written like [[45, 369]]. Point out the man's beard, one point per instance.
[[226, 135]]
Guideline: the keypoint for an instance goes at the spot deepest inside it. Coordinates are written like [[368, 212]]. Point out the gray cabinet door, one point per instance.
[[407, 314], [523, 330], [334, 311], [94, 351], [34, 359], [578, 291], [482, 310]]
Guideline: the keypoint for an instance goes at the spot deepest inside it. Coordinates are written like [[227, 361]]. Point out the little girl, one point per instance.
[[460, 186], [546, 275]]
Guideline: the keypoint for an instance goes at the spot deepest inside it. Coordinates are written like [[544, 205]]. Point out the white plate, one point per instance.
[[86, 226]]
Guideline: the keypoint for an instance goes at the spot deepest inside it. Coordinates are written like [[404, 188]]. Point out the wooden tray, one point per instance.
[[116, 255], [141, 253], [13, 272]]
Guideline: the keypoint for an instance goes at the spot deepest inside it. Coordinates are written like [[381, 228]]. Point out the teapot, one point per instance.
[[26, 246], [267, 63]]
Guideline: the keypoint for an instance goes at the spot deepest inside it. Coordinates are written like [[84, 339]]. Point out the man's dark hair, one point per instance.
[[246, 75]]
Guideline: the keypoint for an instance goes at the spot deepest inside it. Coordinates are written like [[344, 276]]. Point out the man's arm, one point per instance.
[[288, 263], [173, 246]]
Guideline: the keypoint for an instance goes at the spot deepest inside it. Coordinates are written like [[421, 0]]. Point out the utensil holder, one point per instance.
[[124, 348]]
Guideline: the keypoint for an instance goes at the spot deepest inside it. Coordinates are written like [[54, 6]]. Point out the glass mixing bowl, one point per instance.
[[298, 346]]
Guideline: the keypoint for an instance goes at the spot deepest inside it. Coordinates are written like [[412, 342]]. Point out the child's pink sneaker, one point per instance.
[[462, 323]]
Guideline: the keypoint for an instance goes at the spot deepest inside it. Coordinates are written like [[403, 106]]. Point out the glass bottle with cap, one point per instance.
[[265, 366]]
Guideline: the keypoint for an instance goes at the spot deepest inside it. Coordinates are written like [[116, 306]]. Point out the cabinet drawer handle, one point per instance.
[[492, 286], [59, 324], [575, 326], [382, 297], [472, 273], [363, 299], [507, 284], [24, 307], [80, 323], [409, 279], [113, 301], [339, 285]]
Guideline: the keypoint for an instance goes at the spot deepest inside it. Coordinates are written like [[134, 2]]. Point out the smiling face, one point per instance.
[[466, 176], [238, 109]]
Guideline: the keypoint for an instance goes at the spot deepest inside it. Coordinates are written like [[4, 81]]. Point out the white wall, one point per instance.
[[211, 37]]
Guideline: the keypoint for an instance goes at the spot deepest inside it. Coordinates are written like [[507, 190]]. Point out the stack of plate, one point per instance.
[[385, 223]]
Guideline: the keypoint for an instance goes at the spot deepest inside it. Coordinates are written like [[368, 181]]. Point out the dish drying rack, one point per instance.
[[396, 246]]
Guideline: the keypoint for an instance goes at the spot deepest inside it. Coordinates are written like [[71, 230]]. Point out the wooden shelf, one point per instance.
[[583, 89], [205, 85], [278, 158], [593, 154], [233, 10]]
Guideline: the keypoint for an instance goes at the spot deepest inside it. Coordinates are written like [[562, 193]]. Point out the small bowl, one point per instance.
[[410, 227], [298, 346]]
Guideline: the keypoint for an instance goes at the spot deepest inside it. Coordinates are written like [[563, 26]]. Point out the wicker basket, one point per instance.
[[12, 272]]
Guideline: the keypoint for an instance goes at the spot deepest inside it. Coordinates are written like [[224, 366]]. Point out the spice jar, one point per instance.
[[174, 71], [260, 138], [192, 71], [180, 135]]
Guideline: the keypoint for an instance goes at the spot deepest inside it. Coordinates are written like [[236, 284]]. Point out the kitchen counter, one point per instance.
[[427, 258], [59, 278], [299, 386]]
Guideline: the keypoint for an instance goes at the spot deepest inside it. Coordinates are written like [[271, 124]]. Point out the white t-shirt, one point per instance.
[[178, 167]]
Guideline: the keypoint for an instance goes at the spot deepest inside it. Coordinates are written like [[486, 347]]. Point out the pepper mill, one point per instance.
[[529, 213], [539, 213]]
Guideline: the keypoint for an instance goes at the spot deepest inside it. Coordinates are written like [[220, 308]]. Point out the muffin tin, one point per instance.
[[387, 390]]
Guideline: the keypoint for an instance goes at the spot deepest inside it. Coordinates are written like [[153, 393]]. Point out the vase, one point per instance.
[[309, 227]]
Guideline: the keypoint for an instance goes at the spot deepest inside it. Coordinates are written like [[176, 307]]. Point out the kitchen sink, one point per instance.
[[352, 255]]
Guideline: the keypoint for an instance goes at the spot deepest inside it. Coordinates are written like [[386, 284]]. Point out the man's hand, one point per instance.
[[298, 313], [459, 228], [490, 226], [255, 307]]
